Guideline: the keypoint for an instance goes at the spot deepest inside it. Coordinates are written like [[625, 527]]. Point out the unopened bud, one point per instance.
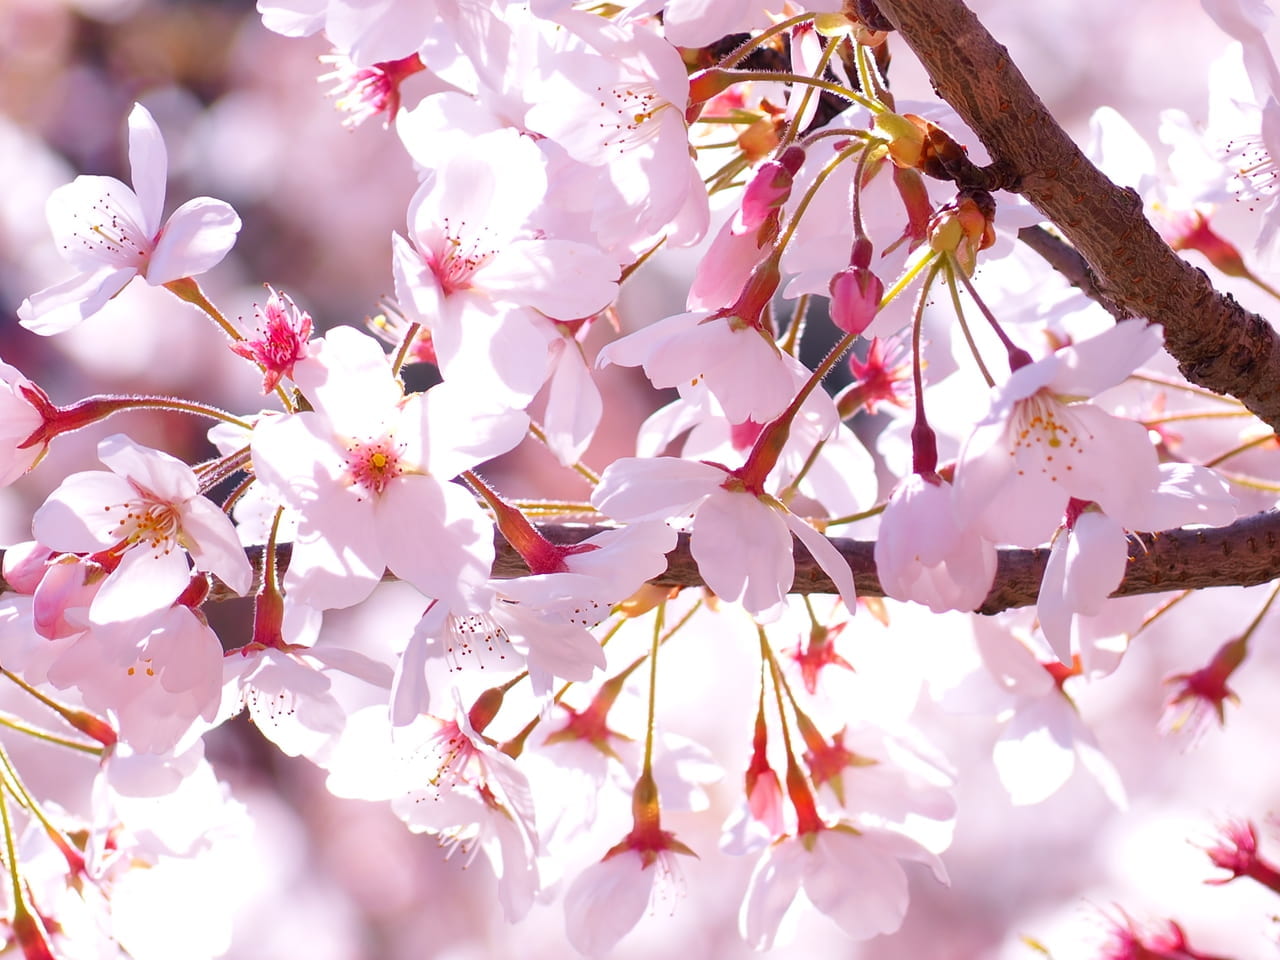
[[855, 299], [965, 227], [768, 190]]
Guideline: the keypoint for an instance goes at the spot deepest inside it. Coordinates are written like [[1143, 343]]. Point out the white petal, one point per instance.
[[743, 551], [605, 902], [64, 305], [1034, 755], [149, 166], [155, 471], [633, 489], [770, 893], [829, 559], [194, 239]]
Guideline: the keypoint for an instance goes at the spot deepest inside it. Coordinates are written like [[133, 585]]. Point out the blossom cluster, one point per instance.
[[558, 147]]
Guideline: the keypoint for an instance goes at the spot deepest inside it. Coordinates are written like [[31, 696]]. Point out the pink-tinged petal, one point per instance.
[[145, 582], [498, 349], [743, 551], [149, 166], [347, 377], [632, 489], [574, 406], [293, 18], [605, 902], [445, 547], [1103, 770], [556, 649], [1008, 507], [455, 435], [560, 278], [828, 557], [1116, 465], [410, 692], [64, 305], [1187, 494], [1034, 755], [1096, 559], [634, 349], [337, 559], [771, 892], [210, 537], [372, 32], [195, 238], [295, 458], [1053, 607], [418, 289], [74, 518], [1091, 366], [1012, 665], [168, 478], [97, 221], [861, 888]]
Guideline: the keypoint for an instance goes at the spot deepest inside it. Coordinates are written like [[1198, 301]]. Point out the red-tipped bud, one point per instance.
[[768, 190], [855, 299]]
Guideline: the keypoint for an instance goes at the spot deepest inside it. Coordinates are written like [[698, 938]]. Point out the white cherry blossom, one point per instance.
[[112, 234], [147, 514]]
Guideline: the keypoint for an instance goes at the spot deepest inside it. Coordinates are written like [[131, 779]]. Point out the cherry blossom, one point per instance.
[[740, 540], [283, 332], [924, 552], [146, 515], [484, 279], [1038, 446], [851, 874], [112, 234], [371, 479]]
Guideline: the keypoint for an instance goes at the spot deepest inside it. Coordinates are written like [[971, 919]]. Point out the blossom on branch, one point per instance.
[[111, 234]]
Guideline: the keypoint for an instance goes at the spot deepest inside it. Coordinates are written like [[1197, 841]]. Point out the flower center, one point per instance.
[[153, 523], [475, 639], [372, 465], [456, 259], [634, 105], [110, 234], [1042, 428]]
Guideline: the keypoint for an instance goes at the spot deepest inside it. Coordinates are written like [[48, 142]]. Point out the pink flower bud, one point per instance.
[[855, 298], [768, 190]]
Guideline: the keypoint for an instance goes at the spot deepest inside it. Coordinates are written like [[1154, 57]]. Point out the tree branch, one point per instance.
[[1241, 554], [1217, 343]]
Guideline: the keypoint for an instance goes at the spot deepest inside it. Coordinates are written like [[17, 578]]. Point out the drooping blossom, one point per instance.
[[740, 540]]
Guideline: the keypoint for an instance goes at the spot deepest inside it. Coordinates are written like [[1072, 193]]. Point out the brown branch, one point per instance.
[[1217, 343], [1241, 554], [1069, 264]]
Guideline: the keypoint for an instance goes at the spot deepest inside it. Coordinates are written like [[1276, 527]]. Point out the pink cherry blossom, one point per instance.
[[111, 234], [925, 552], [147, 514], [1088, 557], [851, 874], [484, 278], [741, 541], [1041, 444], [369, 469], [281, 341]]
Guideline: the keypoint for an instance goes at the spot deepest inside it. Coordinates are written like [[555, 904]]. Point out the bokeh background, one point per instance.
[[246, 121]]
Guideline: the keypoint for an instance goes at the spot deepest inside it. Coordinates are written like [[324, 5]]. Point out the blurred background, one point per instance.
[[246, 121]]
